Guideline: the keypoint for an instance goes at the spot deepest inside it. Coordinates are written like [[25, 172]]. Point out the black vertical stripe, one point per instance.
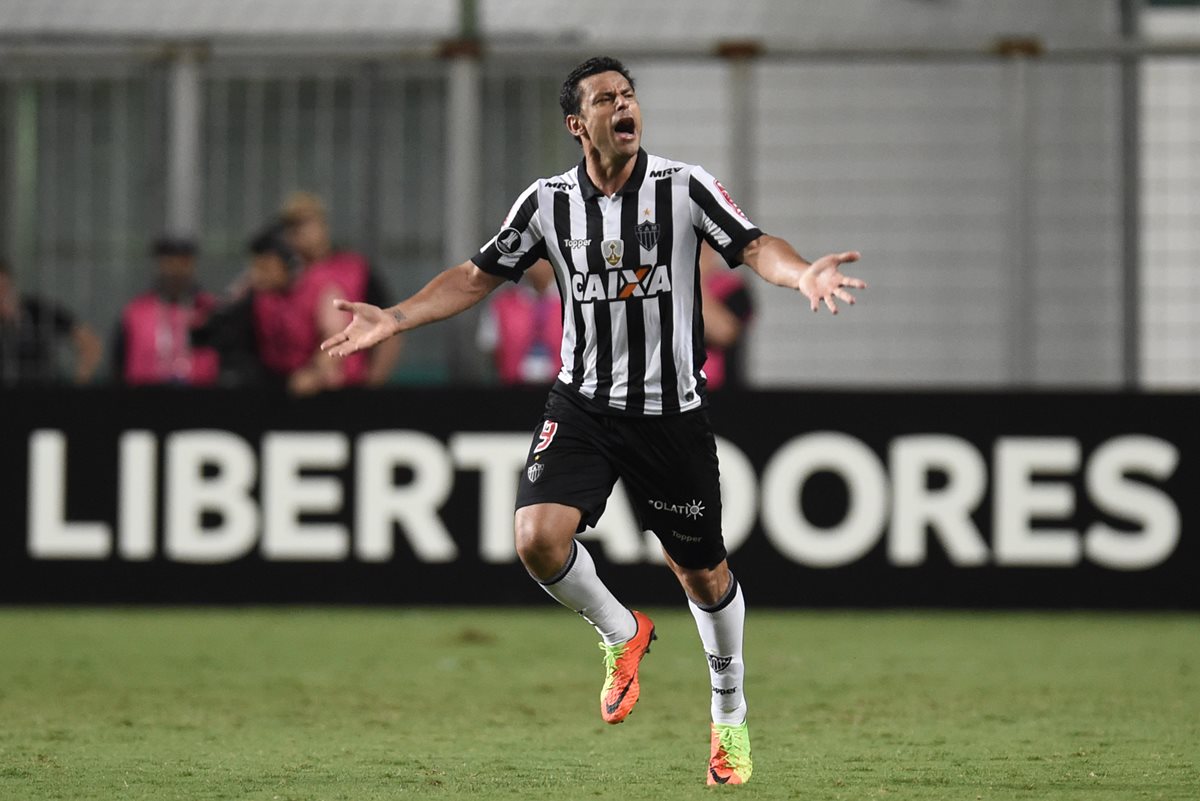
[[699, 353], [635, 323], [524, 214], [562, 230], [666, 312], [603, 332]]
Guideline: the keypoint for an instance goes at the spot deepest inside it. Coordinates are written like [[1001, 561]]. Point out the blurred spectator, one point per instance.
[[522, 328], [728, 309], [293, 312], [308, 234], [30, 330], [230, 331], [153, 341]]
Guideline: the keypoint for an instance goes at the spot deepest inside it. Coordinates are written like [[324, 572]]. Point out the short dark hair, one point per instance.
[[5, 268], [173, 246], [273, 240], [568, 98]]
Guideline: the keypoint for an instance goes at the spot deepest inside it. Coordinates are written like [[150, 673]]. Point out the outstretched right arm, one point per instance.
[[452, 291]]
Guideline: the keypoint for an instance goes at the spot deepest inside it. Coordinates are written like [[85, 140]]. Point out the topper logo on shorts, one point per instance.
[[693, 510], [623, 284]]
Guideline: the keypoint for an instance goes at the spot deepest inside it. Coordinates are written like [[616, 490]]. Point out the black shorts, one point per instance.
[[668, 464]]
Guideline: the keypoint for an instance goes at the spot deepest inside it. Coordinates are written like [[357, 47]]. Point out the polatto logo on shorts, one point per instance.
[[692, 510]]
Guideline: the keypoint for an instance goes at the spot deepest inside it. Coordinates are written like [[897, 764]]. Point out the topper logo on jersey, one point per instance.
[[622, 284]]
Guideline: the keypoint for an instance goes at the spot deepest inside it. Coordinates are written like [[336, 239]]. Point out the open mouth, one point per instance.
[[626, 129]]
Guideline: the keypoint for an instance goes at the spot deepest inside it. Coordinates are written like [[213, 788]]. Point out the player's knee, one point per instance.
[[535, 541], [705, 586]]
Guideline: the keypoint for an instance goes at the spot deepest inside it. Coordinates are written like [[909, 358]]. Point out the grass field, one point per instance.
[[501, 704]]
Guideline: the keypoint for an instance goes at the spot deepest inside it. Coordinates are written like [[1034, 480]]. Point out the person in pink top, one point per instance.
[[153, 342], [293, 310], [522, 329], [306, 225], [728, 310]]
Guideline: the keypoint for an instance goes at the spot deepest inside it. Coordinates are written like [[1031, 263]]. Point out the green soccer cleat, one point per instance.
[[730, 762]]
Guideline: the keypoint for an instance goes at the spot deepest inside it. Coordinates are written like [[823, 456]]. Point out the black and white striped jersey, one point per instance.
[[628, 273]]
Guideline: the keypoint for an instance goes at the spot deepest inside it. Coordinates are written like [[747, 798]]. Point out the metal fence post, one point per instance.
[[23, 176], [464, 170], [740, 58], [1131, 190], [185, 108], [1020, 123]]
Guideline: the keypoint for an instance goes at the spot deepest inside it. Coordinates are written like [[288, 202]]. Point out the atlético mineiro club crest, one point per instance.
[[729, 199], [613, 250], [535, 472], [647, 235]]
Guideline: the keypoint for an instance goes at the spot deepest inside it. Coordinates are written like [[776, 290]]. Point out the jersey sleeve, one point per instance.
[[519, 242], [721, 221]]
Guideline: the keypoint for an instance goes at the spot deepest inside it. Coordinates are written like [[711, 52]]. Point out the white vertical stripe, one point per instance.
[[653, 345], [618, 329], [558, 256], [650, 315], [578, 257], [590, 378], [685, 297]]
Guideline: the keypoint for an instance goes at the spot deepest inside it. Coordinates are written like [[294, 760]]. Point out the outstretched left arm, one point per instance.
[[822, 280]]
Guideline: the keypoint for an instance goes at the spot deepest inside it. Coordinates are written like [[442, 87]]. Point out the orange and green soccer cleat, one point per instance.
[[620, 691], [730, 762]]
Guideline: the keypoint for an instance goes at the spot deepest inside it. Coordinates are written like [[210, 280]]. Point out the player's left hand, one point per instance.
[[823, 281]]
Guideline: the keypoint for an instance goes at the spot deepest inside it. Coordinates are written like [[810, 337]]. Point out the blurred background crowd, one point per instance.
[[265, 328], [186, 184]]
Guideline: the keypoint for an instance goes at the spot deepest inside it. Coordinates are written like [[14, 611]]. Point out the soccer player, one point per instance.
[[622, 230]]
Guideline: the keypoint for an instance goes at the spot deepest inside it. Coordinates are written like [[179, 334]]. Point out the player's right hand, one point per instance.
[[369, 326]]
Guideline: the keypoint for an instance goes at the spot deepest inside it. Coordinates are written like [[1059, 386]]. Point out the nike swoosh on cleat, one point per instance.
[[717, 778], [610, 708]]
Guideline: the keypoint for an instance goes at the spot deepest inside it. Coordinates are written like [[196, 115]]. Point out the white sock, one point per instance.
[[720, 628], [578, 587]]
